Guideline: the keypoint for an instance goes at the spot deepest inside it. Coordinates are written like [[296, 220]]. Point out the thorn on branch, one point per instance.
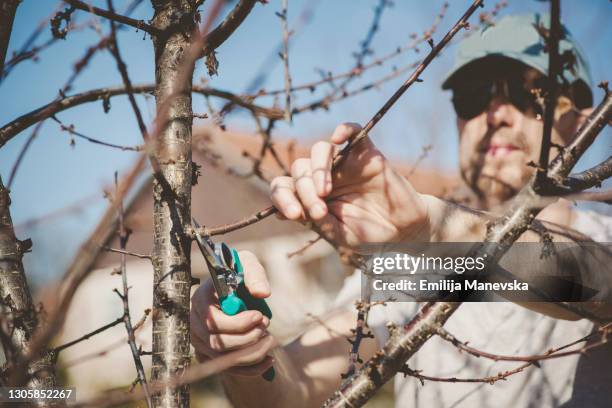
[[118, 293], [535, 165], [24, 246], [195, 173], [106, 104], [557, 146]]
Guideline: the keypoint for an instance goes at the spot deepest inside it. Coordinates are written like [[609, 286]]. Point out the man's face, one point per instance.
[[501, 130]]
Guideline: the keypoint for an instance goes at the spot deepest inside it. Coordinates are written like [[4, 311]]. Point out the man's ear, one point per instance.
[[582, 114], [460, 124], [568, 118]]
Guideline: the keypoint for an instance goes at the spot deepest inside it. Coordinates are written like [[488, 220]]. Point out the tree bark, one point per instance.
[[8, 9], [19, 319], [172, 198]]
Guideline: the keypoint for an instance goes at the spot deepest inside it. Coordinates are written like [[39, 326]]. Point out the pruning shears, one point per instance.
[[227, 276]]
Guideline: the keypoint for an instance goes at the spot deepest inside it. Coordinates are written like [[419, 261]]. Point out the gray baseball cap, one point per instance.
[[516, 37]]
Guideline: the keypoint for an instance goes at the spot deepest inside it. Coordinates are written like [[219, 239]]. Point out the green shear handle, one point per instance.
[[241, 300]]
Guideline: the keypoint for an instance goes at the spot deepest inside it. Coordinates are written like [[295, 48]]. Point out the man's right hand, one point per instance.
[[213, 333], [364, 201]]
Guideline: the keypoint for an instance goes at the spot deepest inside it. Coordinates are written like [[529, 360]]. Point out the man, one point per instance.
[[367, 201]]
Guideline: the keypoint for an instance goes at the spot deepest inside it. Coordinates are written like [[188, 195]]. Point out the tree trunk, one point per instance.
[[8, 9], [172, 198], [18, 317]]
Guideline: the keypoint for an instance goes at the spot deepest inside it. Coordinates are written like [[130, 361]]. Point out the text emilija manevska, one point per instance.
[[411, 264]]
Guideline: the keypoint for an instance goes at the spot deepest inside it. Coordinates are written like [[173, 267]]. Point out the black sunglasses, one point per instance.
[[471, 98]]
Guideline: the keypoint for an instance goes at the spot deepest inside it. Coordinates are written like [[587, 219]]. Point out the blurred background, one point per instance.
[[57, 192]]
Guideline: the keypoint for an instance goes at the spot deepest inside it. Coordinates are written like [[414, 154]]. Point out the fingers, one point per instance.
[[250, 356], [301, 172], [255, 278], [300, 196], [321, 157], [215, 321], [283, 195], [254, 370], [222, 343], [344, 131], [255, 353]]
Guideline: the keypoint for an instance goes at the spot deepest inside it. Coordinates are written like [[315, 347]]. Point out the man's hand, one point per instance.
[[364, 201], [214, 333]]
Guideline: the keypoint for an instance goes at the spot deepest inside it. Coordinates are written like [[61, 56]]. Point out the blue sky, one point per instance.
[[54, 174]]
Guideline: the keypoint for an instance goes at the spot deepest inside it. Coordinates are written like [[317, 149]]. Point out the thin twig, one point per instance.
[[550, 354], [11, 129], [304, 248], [70, 129], [407, 371], [365, 47], [424, 152], [112, 16], [285, 57], [124, 252], [327, 100], [113, 47], [530, 361], [355, 72], [552, 91], [127, 319], [111, 347], [56, 350], [78, 68], [28, 51], [359, 334]]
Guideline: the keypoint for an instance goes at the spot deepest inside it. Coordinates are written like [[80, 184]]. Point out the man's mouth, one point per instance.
[[500, 150]]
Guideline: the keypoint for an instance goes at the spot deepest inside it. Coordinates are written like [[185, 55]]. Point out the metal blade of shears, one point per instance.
[[215, 265]]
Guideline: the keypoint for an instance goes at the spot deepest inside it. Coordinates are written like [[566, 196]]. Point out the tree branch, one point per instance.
[[127, 318], [11, 129], [285, 57], [402, 344], [124, 252], [56, 350], [227, 27], [530, 360], [111, 15], [552, 91], [591, 177]]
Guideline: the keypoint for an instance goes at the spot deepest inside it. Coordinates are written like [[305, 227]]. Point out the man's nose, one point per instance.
[[500, 113]]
